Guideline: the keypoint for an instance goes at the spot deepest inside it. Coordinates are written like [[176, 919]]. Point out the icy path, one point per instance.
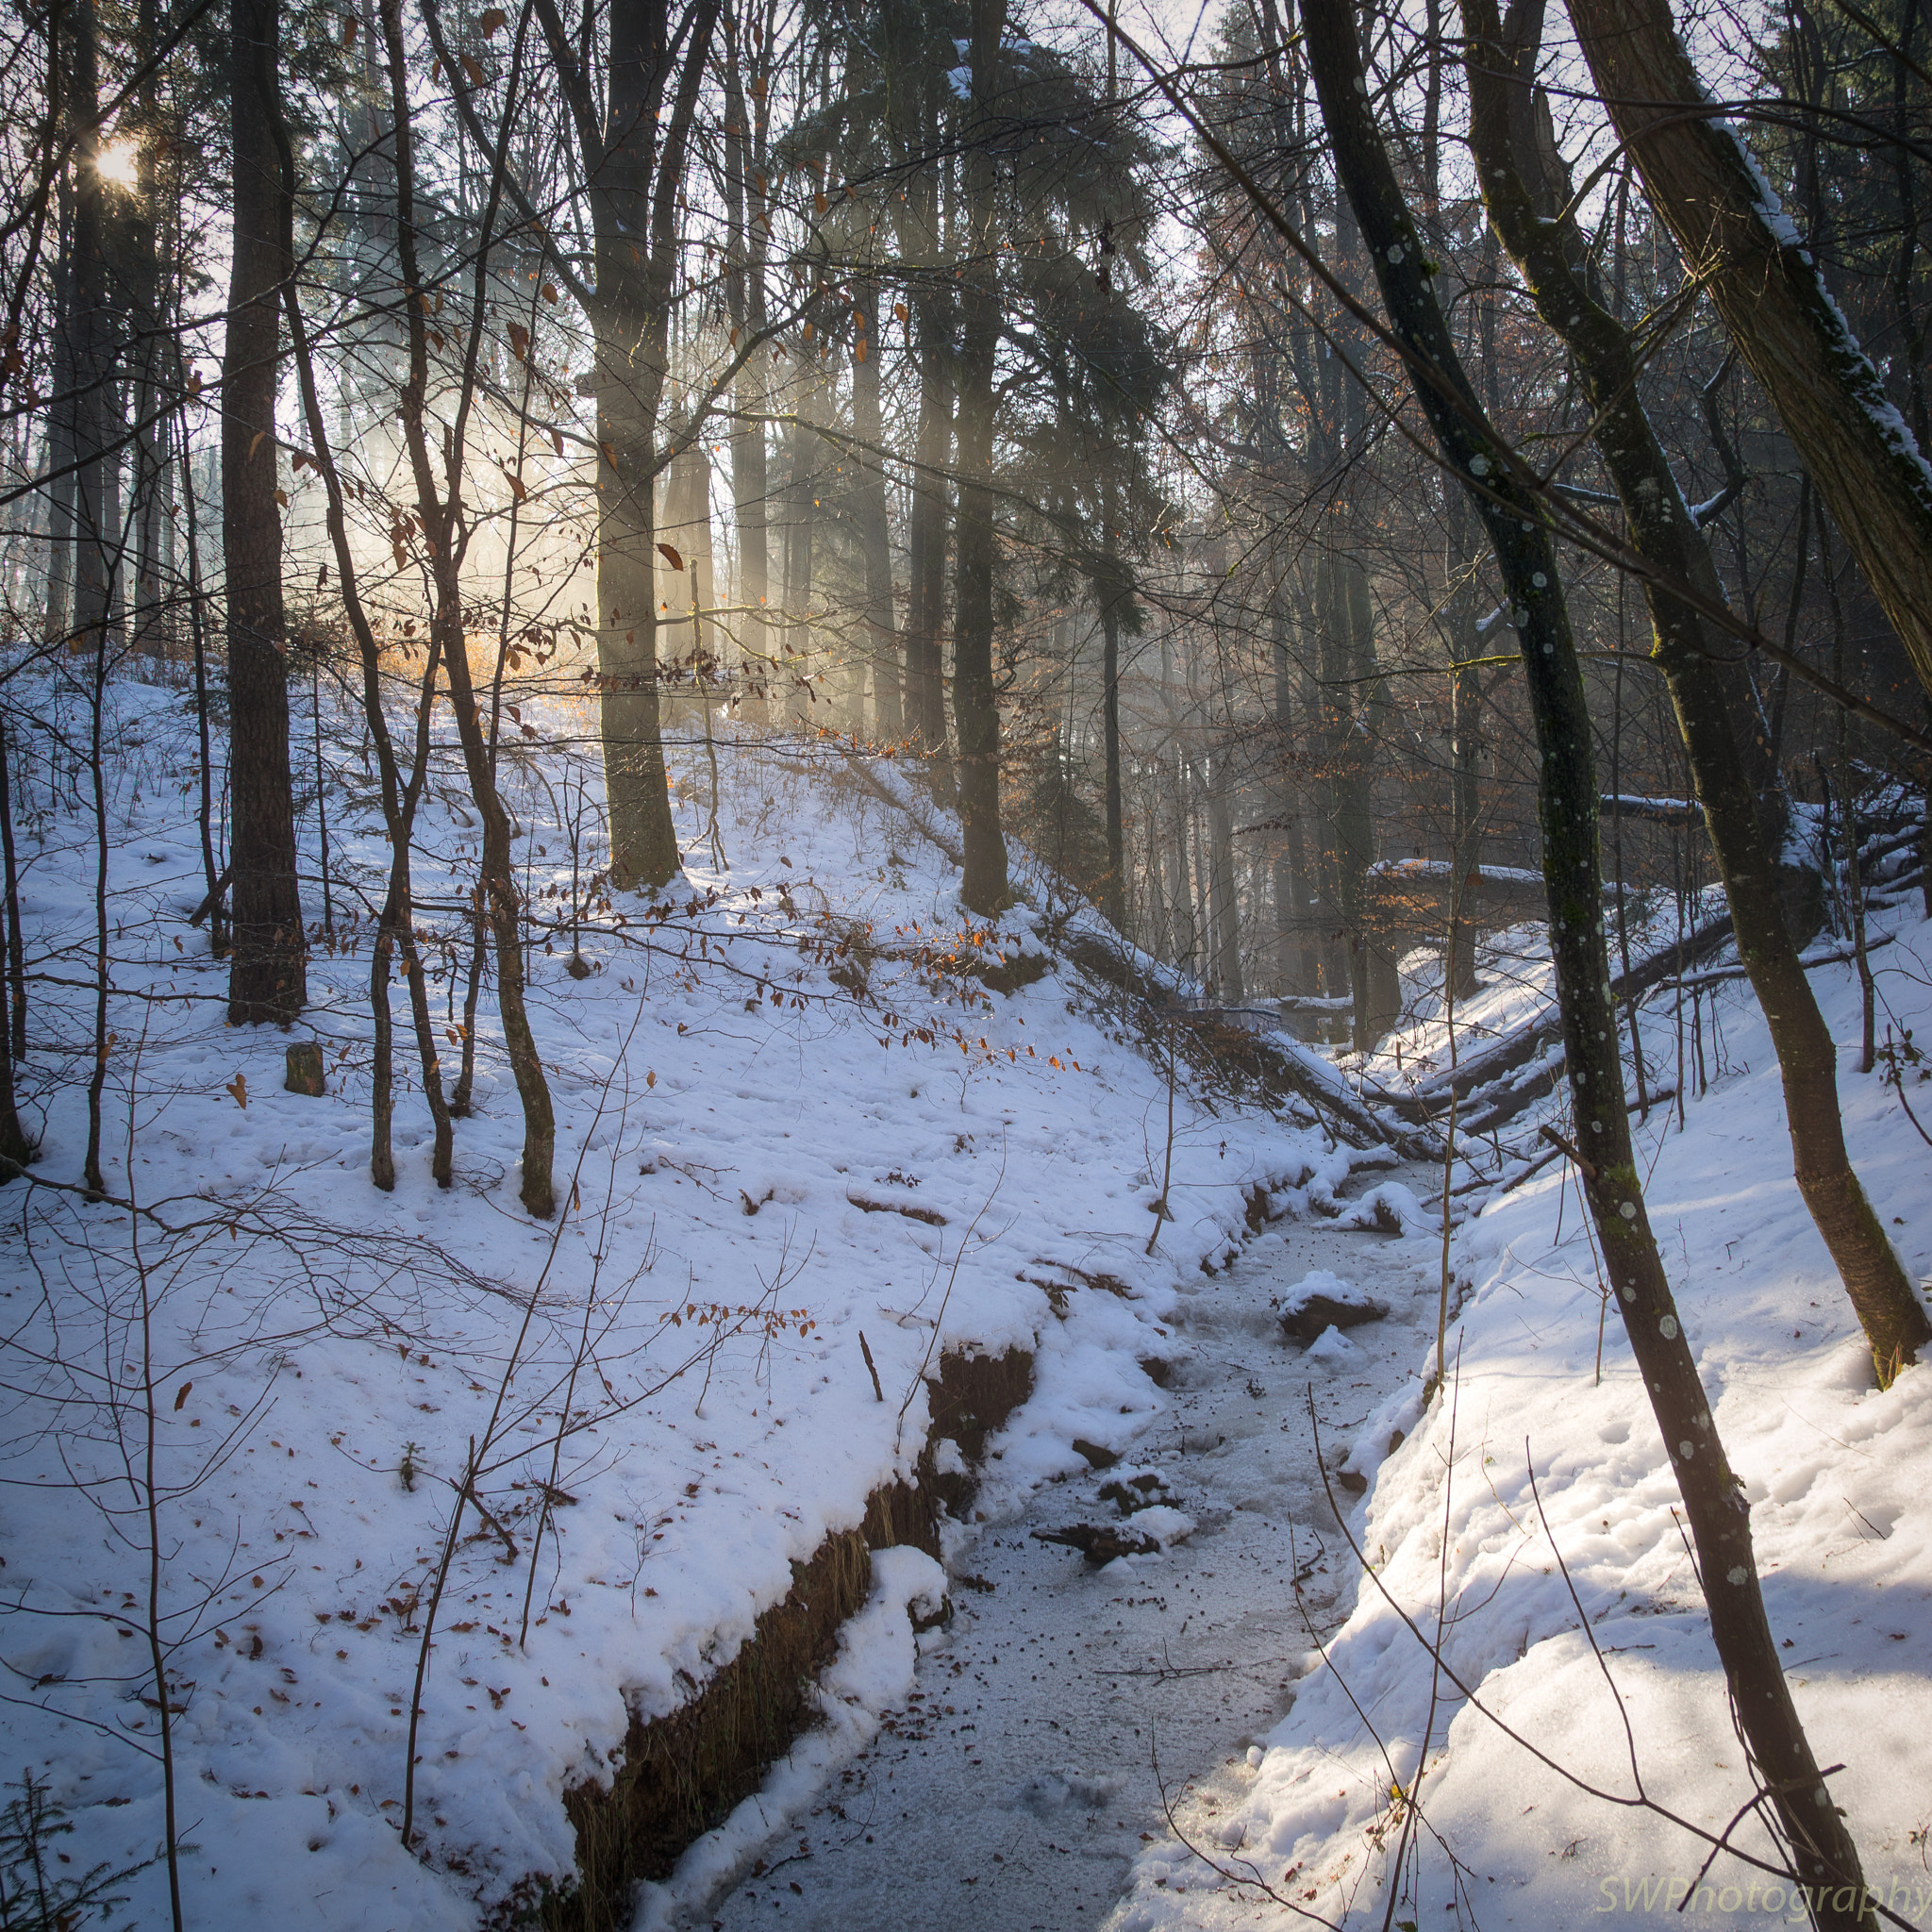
[[1020, 1778]]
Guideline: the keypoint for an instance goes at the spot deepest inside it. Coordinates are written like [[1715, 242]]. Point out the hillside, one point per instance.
[[852, 1235]]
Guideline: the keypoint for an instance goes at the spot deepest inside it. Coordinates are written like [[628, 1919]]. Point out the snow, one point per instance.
[[1064, 1705], [1442, 869], [1332, 1348], [1466, 1552], [724, 1104], [759, 1166]]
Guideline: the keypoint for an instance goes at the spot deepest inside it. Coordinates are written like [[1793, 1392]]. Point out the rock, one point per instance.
[[1096, 1456], [1100, 1543], [1322, 1312], [1135, 1493], [305, 1068], [1321, 1301]]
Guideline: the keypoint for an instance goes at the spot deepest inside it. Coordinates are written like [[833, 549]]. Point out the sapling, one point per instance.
[[34, 1897]]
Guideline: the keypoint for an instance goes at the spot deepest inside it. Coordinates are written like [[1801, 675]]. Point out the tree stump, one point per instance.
[[305, 1068]]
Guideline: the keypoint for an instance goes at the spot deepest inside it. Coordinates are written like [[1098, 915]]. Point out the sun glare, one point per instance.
[[119, 163]]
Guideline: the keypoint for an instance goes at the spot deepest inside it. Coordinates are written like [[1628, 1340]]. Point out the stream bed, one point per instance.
[[1067, 1708]]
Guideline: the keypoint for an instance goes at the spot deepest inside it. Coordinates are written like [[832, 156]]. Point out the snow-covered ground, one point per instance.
[[785, 1117], [1065, 1705], [1467, 1555], [759, 1166]]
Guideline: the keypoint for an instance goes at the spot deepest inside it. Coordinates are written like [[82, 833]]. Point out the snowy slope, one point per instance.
[[759, 1167], [1464, 1548]]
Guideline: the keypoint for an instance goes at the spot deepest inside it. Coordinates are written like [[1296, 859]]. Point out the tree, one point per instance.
[[1506, 120], [268, 974], [633, 140], [1819, 1845], [1770, 289], [975, 710]]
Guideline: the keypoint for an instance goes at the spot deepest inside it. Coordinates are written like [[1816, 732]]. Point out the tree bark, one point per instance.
[[633, 151], [1821, 1846], [16, 1147], [266, 970], [1113, 892], [1554, 262], [925, 602], [746, 143], [1738, 246], [874, 527], [1223, 888], [975, 706], [90, 405], [803, 447], [1465, 754]]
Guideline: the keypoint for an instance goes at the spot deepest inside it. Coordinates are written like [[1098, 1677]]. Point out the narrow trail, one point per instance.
[[1011, 1792]]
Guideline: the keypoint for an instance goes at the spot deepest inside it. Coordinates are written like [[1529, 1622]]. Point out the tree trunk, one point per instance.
[[635, 168], [1113, 892], [1465, 752], [925, 603], [1552, 261], [143, 271], [1223, 889], [266, 972], [975, 706], [745, 294], [16, 1148], [92, 331], [874, 528], [60, 493], [1821, 1846], [1769, 291], [801, 534]]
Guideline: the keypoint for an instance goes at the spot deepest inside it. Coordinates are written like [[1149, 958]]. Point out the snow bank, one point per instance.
[[789, 1115], [1467, 1555]]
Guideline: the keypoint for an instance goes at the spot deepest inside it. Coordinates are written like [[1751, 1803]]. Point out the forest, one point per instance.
[[1268, 666]]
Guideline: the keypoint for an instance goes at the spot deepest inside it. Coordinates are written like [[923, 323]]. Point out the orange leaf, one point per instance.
[[670, 555], [516, 485], [282, 498], [858, 350], [519, 341], [239, 1088], [550, 291], [473, 69], [255, 444], [493, 17]]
